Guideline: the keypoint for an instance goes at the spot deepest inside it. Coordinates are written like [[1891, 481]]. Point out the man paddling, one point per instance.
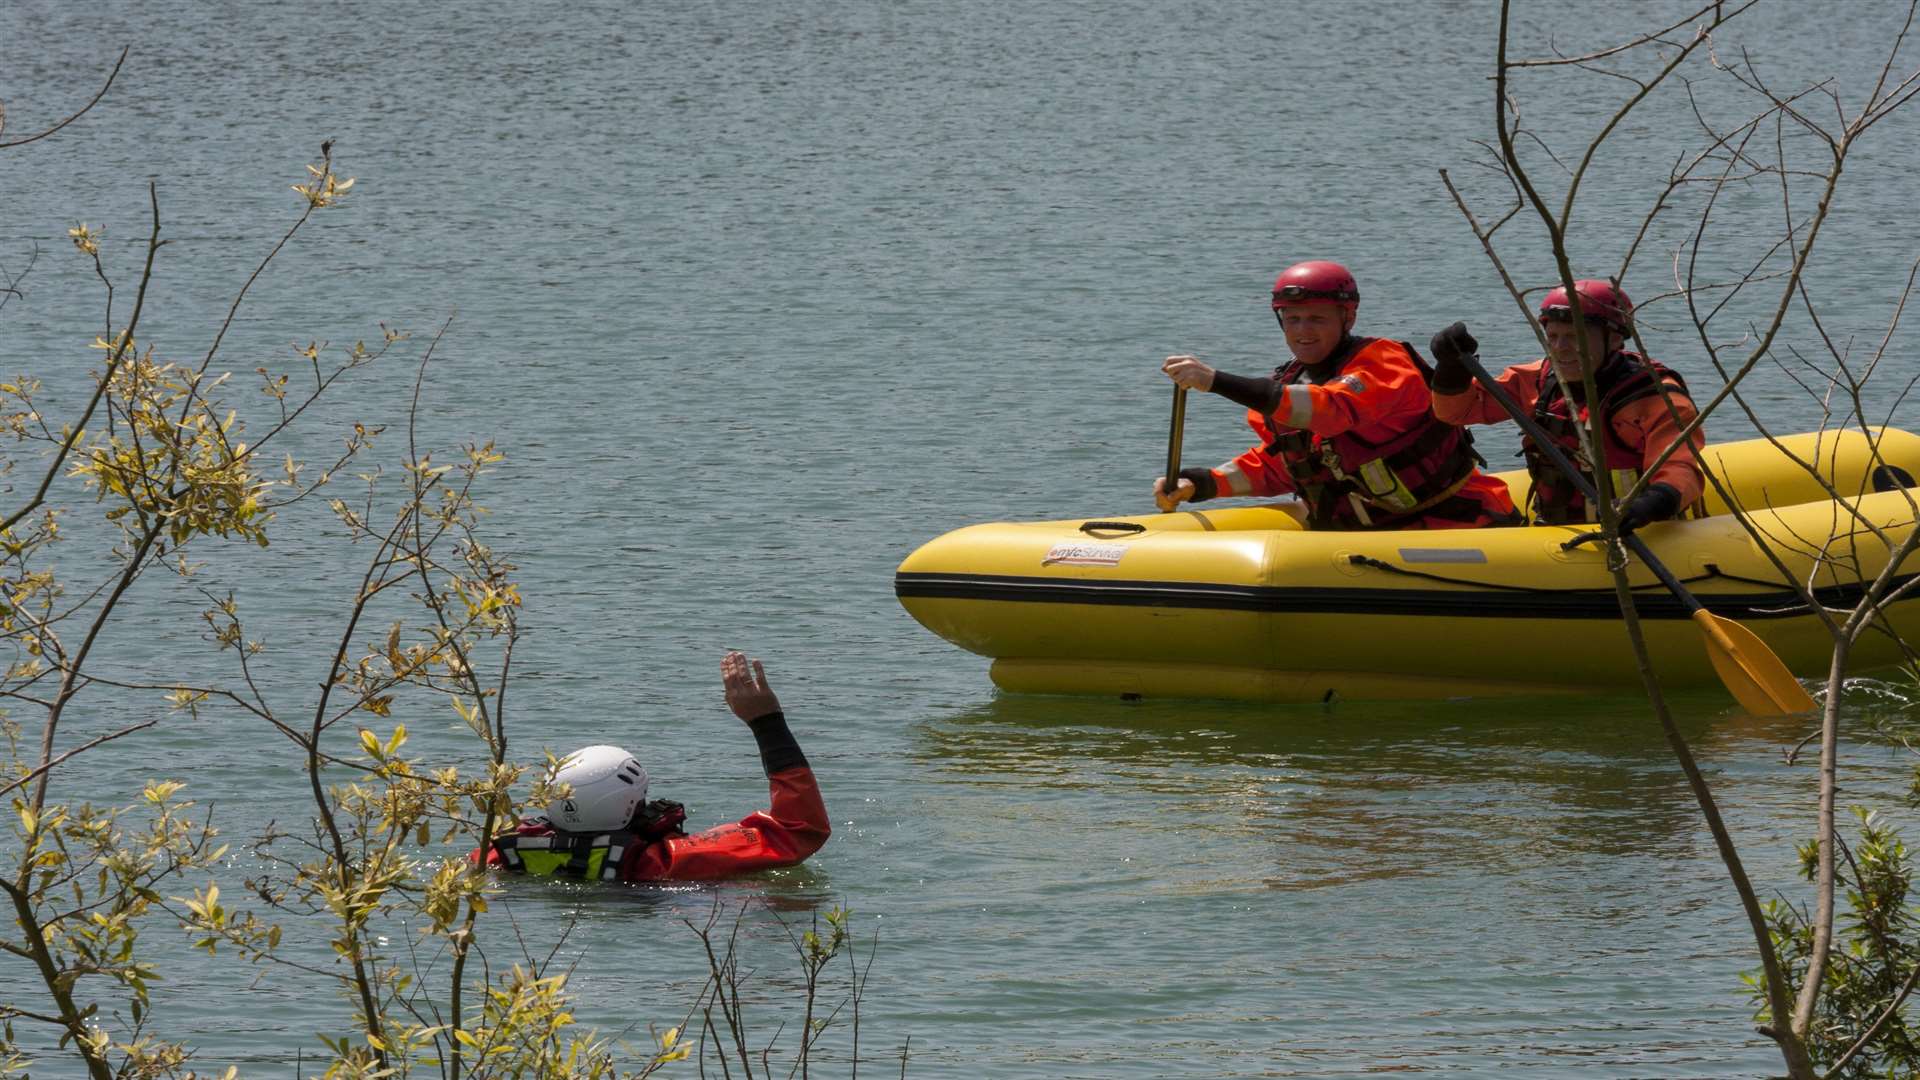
[[1347, 425], [1644, 404], [605, 829]]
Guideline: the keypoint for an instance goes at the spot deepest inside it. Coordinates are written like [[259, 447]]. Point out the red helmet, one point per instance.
[[1316, 282], [1599, 301]]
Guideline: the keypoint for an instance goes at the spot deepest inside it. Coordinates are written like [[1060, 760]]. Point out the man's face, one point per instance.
[[1313, 330], [1563, 347]]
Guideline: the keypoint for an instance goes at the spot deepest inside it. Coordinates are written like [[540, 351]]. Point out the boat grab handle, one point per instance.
[[1583, 538], [1091, 527]]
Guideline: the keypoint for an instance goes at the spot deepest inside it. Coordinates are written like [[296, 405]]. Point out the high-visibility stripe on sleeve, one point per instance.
[[1297, 404], [1229, 478]]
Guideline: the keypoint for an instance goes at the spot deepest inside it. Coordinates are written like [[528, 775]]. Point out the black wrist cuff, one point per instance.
[[1256, 394], [1451, 378], [778, 748]]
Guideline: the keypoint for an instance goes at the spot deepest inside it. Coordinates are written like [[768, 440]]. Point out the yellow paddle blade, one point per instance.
[[1757, 679]]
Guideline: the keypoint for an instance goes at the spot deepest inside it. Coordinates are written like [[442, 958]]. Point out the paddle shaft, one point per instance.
[[1176, 434], [1554, 454]]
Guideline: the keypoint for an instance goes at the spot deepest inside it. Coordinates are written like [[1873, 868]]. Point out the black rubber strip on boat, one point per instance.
[[1463, 602]]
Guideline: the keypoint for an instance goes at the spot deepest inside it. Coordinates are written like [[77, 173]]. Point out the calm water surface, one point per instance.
[[758, 299]]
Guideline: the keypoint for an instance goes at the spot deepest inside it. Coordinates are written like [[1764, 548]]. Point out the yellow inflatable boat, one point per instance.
[[1243, 602]]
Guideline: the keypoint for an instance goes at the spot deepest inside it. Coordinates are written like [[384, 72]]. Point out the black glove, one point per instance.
[[1658, 503], [1204, 486], [1450, 349], [661, 817]]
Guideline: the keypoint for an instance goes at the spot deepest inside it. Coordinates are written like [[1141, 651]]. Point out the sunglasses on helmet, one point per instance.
[[1301, 292], [1564, 313]]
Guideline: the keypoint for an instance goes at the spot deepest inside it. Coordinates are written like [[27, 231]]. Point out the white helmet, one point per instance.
[[608, 786]]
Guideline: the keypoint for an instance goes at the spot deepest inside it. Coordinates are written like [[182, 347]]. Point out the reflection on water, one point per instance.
[[1536, 871], [792, 890], [1352, 792]]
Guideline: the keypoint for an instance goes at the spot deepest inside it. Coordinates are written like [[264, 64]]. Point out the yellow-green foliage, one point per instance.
[[172, 468], [178, 473]]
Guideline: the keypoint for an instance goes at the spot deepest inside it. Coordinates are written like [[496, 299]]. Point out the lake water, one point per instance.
[[757, 299]]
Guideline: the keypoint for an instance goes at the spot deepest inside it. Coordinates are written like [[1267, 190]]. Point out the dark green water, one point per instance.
[[758, 299]]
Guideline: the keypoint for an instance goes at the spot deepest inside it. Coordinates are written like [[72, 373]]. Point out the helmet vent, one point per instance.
[[624, 778]]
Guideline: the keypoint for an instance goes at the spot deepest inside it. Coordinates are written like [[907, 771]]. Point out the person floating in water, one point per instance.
[[605, 829]]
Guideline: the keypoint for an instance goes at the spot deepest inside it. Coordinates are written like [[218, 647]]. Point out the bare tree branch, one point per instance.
[[83, 109]]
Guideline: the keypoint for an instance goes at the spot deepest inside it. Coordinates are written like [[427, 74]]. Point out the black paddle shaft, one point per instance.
[[1579, 481], [1176, 434]]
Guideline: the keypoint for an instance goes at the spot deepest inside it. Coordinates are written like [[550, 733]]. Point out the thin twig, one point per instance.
[[83, 109]]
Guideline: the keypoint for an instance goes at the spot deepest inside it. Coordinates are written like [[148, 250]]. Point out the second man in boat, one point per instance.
[[1347, 425], [1645, 406]]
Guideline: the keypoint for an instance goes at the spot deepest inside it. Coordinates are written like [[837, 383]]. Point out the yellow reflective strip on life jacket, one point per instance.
[[1384, 486], [536, 855], [543, 863], [1623, 481]]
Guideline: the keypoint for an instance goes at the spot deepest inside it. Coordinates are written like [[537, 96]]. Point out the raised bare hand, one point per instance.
[[748, 694]]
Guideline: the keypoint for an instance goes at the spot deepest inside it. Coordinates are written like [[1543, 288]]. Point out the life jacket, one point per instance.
[[539, 849], [1349, 483], [1622, 378]]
